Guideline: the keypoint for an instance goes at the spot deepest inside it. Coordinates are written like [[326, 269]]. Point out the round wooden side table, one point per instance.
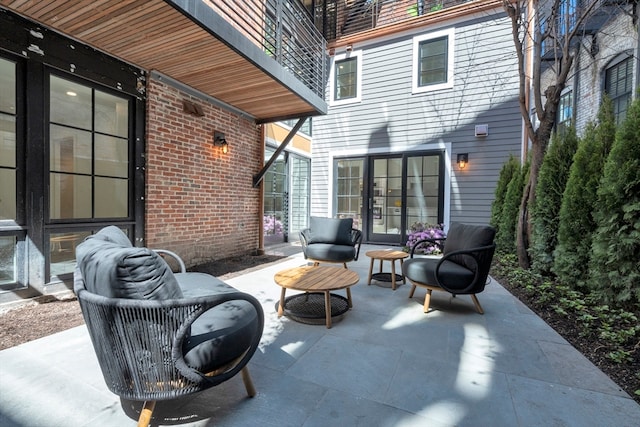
[[386, 255]]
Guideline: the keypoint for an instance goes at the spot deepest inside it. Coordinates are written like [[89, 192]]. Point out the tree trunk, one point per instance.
[[523, 231]]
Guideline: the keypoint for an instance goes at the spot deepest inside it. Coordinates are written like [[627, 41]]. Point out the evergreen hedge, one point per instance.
[[506, 232], [509, 169], [577, 223], [615, 257], [552, 180]]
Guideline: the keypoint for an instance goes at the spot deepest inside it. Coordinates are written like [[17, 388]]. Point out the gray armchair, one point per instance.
[[159, 335], [463, 268], [331, 240]]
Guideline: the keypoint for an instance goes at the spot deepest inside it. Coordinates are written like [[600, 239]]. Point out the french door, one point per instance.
[[387, 194]]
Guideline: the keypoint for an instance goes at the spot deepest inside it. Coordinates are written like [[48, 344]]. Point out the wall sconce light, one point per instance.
[[463, 159], [220, 141]]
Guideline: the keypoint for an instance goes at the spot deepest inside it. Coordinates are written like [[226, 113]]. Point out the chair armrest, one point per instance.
[[173, 255], [304, 240], [473, 253], [356, 241], [438, 242], [103, 315]]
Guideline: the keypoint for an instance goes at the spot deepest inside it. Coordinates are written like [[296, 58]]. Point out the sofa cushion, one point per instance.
[[221, 333], [113, 234], [330, 252], [423, 270], [330, 230], [114, 270]]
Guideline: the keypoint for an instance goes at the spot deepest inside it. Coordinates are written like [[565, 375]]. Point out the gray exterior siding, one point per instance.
[[390, 118]]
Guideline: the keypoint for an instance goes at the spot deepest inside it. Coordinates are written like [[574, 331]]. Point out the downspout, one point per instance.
[[260, 250]]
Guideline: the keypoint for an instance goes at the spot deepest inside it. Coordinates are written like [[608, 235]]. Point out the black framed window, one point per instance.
[[565, 112], [433, 61], [346, 79], [89, 152], [618, 86]]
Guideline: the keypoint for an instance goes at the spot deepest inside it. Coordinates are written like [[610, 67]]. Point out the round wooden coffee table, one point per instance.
[[316, 279], [386, 255]]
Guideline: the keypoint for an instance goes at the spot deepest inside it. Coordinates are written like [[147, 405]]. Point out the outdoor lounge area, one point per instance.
[[383, 363]]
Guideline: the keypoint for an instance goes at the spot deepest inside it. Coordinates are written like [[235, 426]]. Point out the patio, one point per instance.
[[385, 363]]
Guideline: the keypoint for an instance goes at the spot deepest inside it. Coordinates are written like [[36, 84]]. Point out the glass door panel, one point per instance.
[[385, 207], [349, 181], [423, 190], [275, 201]]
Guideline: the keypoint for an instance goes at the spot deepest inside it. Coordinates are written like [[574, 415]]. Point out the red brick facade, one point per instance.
[[200, 203]]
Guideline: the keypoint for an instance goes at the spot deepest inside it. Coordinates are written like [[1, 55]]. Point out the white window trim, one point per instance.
[[450, 34], [332, 74]]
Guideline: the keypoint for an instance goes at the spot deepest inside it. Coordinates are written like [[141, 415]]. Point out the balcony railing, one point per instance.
[[284, 30], [352, 16]]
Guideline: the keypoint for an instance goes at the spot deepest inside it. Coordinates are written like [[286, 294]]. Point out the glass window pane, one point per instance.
[[70, 196], [346, 78], [112, 114], [8, 270], [70, 103], [62, 252], [112, 156], [8, 194], [349, 181], [7, 141], [433, 61], [113, 200], [7, 86], [69, 150]]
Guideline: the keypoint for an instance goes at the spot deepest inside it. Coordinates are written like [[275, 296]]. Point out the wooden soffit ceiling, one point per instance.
[[204, 52]]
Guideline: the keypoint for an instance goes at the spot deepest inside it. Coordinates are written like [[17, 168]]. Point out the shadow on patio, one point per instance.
[[385, 363]]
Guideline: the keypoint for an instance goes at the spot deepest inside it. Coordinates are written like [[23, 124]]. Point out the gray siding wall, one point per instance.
[[390, 118]]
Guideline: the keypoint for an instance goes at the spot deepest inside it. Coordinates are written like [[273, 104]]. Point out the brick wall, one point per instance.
[[200, 203]]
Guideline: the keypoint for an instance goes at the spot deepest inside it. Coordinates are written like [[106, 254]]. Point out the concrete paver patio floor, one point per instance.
[[385, 363]]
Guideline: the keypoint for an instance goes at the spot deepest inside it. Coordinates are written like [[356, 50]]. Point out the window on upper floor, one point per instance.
[[433, 61], [346, 78], [618, 85], [565, 112]]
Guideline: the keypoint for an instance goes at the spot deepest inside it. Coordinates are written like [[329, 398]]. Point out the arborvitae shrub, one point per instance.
[[552, 180], [506, 234], [577, 223], [510, 167], [615, 256]]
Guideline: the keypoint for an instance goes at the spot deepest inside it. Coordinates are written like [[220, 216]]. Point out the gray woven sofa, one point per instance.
[[159, 335]]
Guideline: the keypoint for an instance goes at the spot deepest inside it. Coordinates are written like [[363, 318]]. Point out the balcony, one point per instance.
[[262, 57], [346, 18]]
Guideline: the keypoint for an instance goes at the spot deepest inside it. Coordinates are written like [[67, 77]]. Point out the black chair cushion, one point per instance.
[[330, 230], [115, 270], [423, 270], [327, 251], [222, 333], [465, 236]]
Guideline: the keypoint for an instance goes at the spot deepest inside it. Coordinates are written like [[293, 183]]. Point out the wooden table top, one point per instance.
[[320, 278], [387, 254]]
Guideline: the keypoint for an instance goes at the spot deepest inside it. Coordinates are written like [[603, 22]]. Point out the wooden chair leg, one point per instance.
[[345, 265], [427, 300], [477, 303], [146, 413], [413, 289], [248, 384]]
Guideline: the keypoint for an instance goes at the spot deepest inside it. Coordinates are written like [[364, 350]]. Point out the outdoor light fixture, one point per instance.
[[463, 159], [220, 141]]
